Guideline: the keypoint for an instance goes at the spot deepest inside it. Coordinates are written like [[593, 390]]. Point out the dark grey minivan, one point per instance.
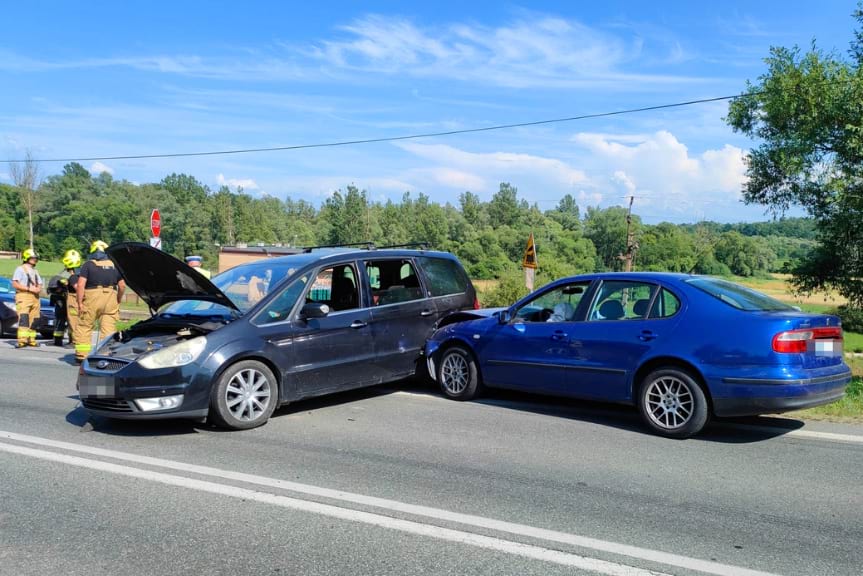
[[268, 332]]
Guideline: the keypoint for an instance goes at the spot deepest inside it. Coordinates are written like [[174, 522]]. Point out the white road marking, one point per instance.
[[783, 432], [585, 542], [810, 434], [417, 528]]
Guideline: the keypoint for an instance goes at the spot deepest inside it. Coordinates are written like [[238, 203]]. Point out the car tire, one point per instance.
[[672, 403], [244, 397], [457, 374]]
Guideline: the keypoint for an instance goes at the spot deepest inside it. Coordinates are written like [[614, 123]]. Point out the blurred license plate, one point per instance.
[[828, 347], [90, 387], [50, 322]]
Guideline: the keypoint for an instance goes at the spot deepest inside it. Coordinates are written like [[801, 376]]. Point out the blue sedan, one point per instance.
[[681, 348]]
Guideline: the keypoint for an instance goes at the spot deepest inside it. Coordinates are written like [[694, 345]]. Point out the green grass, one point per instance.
[[849, 409], [46, 269]]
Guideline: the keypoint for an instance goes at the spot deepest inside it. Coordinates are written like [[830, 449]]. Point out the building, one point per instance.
[[230, 256]]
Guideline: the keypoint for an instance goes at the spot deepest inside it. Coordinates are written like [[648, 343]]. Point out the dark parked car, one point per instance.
[[679, 347], [9, 317], [268, 332]]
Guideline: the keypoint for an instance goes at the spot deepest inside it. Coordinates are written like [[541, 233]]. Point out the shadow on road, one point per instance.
[[726, 431]]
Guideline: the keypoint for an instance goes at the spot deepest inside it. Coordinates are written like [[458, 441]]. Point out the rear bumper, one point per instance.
[[752, 396]]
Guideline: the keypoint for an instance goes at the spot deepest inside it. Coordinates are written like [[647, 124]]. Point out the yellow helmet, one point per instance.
[[71, 259], [29, 253], [97, 245]]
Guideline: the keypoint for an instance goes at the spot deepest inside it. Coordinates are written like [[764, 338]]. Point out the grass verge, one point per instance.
[[850, 408]]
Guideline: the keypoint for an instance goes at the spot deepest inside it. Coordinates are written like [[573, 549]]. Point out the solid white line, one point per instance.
[[649, 555], [408, 526], [811, 434]]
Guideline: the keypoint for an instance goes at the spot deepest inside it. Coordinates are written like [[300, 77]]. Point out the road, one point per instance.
[[396, 480]]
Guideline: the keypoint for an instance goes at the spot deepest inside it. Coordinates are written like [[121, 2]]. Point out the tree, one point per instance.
[[807, 113], [25, 176]]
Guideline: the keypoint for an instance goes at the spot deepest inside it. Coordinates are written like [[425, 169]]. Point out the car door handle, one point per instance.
[[356, 324], [425, 313], [647, 335], [559, 335]]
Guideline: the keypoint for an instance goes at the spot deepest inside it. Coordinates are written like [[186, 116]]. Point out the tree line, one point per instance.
[[74, 207]]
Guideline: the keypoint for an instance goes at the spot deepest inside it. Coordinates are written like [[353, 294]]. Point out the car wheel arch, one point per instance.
[[277, 373], [669, 362]]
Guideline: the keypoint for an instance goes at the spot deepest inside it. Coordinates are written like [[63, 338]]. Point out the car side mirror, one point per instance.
[[504, 317], [314, 310]]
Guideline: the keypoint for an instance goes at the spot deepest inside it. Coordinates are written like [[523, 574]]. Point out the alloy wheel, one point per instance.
[[669, 402], [455, 373], [247, 395]]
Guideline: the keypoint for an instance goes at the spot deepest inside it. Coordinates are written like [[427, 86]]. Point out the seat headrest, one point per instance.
[[611, 310]]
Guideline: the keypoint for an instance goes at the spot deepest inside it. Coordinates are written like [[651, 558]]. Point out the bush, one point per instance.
[[509, 289], [852, 318]]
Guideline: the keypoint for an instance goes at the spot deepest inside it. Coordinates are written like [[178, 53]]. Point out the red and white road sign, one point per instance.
[[156, 242], [155, 223]]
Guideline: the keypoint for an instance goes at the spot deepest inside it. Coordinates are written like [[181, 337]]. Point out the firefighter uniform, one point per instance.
[[61, 289], [99, 290], [28, 285]]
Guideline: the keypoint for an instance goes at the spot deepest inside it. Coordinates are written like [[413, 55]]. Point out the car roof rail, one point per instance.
[[367, 245], [420, 245]]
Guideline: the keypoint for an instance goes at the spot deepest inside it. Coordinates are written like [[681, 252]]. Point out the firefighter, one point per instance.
[[195, 262], [28, 285], [99, 290], [61, 289]]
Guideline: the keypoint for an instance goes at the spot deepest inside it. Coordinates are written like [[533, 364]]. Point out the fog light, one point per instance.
[[160, 403]]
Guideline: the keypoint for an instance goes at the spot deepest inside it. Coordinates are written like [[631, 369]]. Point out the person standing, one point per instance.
[[99, 290], [28, 286], [196, 263], [61, 289]]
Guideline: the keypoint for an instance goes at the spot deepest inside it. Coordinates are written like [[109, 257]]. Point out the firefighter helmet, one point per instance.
[[71, 259], [97, 245], [29, 253]]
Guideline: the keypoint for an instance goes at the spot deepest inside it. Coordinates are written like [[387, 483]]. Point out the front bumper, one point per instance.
[[108, 387]]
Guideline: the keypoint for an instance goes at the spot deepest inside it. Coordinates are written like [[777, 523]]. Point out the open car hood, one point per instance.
[[159, 278]]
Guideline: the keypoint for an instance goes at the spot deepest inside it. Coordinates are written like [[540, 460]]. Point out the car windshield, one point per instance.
[[739, 296], [245, 285]]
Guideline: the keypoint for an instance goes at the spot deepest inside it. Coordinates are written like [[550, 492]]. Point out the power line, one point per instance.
[[400, 138]]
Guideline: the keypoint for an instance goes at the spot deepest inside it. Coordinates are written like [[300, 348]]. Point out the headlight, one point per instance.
[[180, 354], [10, 305]]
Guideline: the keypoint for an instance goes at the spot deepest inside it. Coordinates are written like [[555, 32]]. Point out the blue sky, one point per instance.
[[111, 78]]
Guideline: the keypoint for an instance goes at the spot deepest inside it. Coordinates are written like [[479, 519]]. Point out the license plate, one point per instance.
[[92, 387], [828, 347], [50, 322]]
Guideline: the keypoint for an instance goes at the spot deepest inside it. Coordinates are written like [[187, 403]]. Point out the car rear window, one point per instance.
[[738, 296], [444, 276]]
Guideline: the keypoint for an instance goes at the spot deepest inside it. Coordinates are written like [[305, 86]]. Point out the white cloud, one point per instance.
[[534, 49], [4, 176], [98, 167], [244, 183], [660, 169], [481, 172]]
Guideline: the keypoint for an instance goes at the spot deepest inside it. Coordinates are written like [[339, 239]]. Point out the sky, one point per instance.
[[94, 79]]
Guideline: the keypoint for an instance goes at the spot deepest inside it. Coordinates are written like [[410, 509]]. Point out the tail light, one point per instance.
[[797, 341], [476, 305]]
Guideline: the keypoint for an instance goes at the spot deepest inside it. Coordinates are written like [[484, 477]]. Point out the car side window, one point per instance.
[[558, 305], [337, 287], [622, 300], [279, 308], [444, 276], [393, 281], [665, 305]]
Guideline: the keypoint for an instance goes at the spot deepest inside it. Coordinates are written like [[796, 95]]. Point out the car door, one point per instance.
[[402, 314], [336, 351], [625, 321], [534, 351]]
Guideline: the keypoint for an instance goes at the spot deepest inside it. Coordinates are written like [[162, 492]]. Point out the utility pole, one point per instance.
[[628, 256]]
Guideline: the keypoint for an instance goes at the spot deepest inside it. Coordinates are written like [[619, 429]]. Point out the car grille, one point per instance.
[[107, 404], [105, 364]]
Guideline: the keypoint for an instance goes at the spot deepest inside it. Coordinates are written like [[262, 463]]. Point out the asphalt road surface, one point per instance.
[[396, 480]]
